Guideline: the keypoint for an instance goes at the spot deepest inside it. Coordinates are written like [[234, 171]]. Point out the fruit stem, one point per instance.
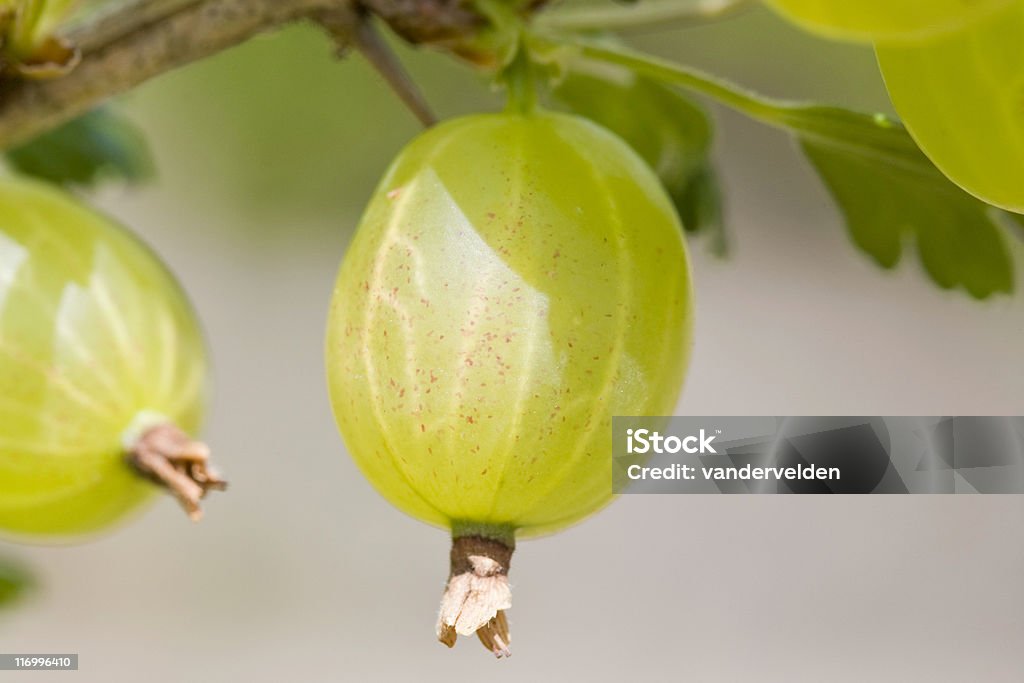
[[168, 457], [502, 533], [520, 81], [477, 593]]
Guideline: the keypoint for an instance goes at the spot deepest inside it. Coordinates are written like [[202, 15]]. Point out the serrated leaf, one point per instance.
[[96, 146], [14, 582], [669, 131], [886, 188], [958, 238], [959, 242]]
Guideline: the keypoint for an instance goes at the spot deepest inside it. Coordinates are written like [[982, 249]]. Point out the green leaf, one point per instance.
[[98, 145], [670, 132], [14, 582], [885, 200], [886, 188], [959, 242], [701, 210]]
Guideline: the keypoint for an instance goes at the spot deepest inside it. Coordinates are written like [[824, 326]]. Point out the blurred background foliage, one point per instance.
[[15, 581], [284, 132]]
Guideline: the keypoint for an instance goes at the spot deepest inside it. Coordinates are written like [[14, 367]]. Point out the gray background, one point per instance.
[[303, 573]]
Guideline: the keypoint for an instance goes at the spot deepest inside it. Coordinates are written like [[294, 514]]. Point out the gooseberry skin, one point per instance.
[[515, 282], [961, 97], [96, 341], [883, 21]]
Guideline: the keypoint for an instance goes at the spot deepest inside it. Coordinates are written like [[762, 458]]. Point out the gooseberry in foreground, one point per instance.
[[516, 281], [102, 371]]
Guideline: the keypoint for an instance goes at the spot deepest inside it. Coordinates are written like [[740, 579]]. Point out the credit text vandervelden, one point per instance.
[[646, 441]]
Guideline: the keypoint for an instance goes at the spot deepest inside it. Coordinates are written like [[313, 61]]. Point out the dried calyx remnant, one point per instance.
[[167, 456], [477, 593]]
